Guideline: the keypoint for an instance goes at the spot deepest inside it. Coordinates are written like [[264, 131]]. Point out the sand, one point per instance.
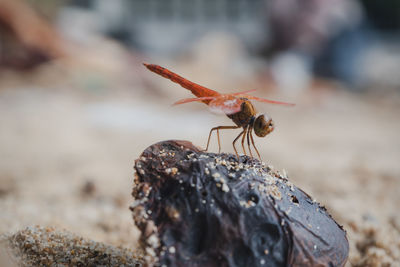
[[39, 246]]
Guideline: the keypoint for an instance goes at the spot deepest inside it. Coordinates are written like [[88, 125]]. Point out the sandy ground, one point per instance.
[[67, 157]]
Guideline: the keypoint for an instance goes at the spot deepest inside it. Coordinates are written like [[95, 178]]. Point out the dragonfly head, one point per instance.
[[263, 125]]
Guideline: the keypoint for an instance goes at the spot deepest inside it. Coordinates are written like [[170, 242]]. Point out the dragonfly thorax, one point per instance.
[[245, 116]]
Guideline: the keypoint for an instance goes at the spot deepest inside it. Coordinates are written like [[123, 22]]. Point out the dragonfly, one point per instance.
[[236, 106]]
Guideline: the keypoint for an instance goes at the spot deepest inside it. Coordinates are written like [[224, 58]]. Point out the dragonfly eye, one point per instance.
[[263, 125]]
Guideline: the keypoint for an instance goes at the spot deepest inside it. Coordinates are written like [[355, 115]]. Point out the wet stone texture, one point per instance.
[[204, 209]]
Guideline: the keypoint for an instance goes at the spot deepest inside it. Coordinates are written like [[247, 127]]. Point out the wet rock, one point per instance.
[[204, 209]]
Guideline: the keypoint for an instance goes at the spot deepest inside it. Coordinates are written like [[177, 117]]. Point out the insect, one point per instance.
[[236, 106]]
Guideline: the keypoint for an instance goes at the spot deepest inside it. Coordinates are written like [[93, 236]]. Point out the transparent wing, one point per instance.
[[244, 92], [194, 99], [267, 100], [226, 104]]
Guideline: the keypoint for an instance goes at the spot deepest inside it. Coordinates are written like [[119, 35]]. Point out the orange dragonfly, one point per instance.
[[236, 106]]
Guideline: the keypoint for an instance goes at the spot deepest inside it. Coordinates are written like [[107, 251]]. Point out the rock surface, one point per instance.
[[204, 209]]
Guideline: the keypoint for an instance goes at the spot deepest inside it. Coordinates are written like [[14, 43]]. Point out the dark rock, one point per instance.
[[204, 209]]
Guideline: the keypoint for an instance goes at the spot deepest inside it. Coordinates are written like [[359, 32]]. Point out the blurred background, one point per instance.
[[77, 107]]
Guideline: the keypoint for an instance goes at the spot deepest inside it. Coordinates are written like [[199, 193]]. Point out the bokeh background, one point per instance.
[[77, 107]]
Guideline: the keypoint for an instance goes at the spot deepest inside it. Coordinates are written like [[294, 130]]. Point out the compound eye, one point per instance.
[[263, 125], [261, 122]]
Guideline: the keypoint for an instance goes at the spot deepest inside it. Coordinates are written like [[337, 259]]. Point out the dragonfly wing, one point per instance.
[[267, 100], [226, 104], [194, 99], [244, 92]]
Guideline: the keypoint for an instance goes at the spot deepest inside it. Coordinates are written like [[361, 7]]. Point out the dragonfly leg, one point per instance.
[[248, 140], [243, 138], [252, 141], [219, 142], [217, 129], [234, 141]]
